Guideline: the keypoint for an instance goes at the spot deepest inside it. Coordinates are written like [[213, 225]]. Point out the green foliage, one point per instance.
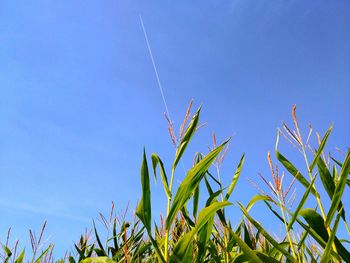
[[191, 233]]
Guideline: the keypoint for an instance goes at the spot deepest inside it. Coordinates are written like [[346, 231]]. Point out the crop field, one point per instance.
[[313, 219]]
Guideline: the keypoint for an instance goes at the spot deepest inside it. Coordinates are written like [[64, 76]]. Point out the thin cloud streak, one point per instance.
[[31, 209]]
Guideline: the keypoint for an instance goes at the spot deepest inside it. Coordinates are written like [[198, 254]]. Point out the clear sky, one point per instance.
[[79, 98]]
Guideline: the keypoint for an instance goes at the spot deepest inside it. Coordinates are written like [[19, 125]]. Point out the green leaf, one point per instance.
[[190, 183], [246, 236], [20, 258], [249, 253], [326, 177], [265, 234], [7, 251], [317, 224], [205, 232], [186, 138], [211, 194], [328, 182], [269, 206], [339, 190], [102, 250], [181, 249], [320, 149], [301, 204], [294, 171], [143, 210], [235, 178], [327, 251], [155, 161], [255, 199], [115, 240], [195, 201], [98, 260], [264, 257], [39, 259]]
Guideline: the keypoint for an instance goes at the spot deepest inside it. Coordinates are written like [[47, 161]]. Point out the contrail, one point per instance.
[[154, 67]]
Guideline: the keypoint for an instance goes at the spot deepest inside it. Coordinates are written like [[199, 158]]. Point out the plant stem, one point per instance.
[[225, 230], [286, 225], [318, 196], [166, 243]]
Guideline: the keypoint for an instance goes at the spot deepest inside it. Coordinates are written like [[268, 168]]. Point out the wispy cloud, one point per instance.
[[27, 208]]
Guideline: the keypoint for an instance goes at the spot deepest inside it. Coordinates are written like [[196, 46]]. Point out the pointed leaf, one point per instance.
[[327, 251], [265, 234], [235, 178], [143, 210], [249, 253], [339, 190], [294, 171], [186, 138], [195, 201], [301, 204], [328, 182], [320, 149], [155, 161], [20, 258], [102, 250], [182, 246], [317, 224], [189, 184], [257, 198], [98, 260]]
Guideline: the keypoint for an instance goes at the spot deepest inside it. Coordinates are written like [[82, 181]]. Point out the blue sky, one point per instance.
[[79, 98]]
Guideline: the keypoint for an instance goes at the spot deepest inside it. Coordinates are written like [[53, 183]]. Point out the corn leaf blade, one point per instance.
[[320, 149], [181, 249], [190, 183], [339, 190], [235, 177], [186, 138], [295, 172], [155, 162]]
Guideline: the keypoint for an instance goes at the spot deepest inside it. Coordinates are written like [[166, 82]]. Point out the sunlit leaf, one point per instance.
[[320, 149], [192, 126], [339, 190], [265, 234], [295, 172], [155, 161], [181, 249], [235, 178], [328, 182], [191, 181], [301, 204], [327, 251]]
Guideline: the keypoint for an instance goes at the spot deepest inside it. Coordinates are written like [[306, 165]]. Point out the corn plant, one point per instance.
[[188, 233], [40, 251]]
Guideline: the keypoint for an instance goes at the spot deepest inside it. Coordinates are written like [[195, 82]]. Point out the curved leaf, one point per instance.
[[190, 183], [181, 249], [295, 172], [320, 149], [143, 210], [339, 190], [235, 178], [265, 234], [249, 253], [328, 182], [301, 204], [317, 224], [327, 251], [155, 161], [186, 138]]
